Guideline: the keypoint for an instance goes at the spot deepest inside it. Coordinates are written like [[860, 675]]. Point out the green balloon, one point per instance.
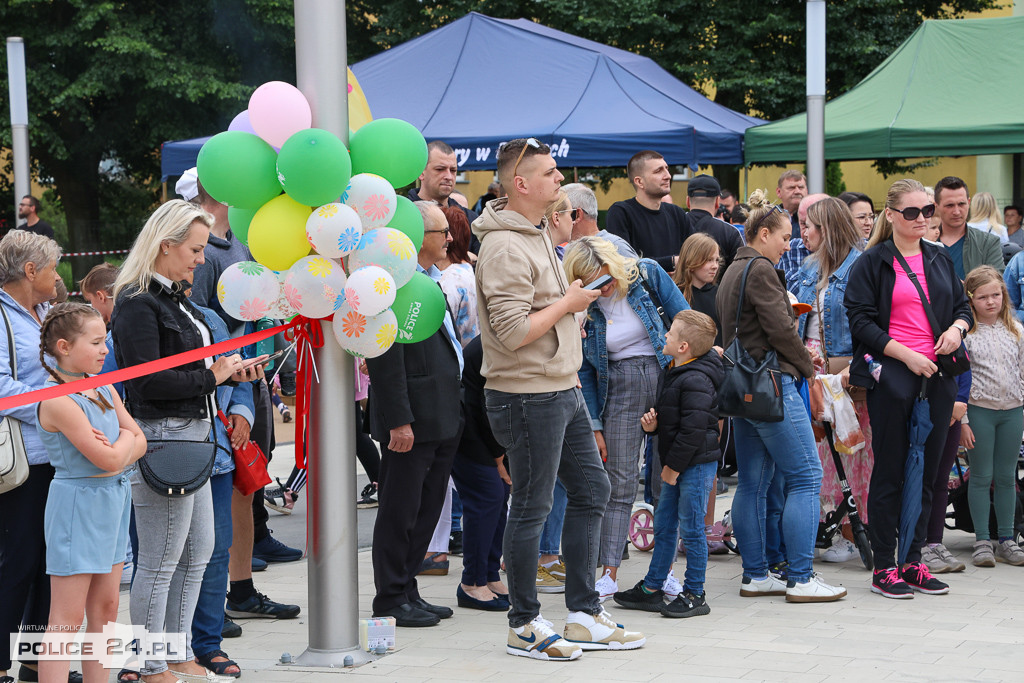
[[409, 220], [314, 167], [239, 169], [239, 220], [419, 307], [391, 148]]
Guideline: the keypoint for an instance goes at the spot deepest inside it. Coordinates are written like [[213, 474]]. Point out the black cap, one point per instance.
[[703, 186]]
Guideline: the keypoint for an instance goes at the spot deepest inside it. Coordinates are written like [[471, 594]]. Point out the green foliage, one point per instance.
[[834, 183], [110, 80], [900, 167]]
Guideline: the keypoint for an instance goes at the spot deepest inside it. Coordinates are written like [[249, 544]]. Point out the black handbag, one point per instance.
[[176, 469], [751, 390], [951, 364]]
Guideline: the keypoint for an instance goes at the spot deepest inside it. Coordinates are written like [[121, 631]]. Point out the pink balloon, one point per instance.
[[241, 122], [277, 110]]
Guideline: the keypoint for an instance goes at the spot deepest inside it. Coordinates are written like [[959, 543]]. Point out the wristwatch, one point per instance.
[[963, 331]]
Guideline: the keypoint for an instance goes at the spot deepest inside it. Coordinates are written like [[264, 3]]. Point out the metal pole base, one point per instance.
[[335, 659]]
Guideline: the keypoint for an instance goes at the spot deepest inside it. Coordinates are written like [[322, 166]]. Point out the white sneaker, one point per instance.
[[606, 586], [600, 632], [842, 550], [538, 641], [672, 588], [770, 585], [814, 590]]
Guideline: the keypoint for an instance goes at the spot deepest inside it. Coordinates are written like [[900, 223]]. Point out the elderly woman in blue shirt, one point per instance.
[[28, 280], [622, 359]]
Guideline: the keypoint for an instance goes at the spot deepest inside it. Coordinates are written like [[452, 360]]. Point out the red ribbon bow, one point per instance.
[[309, 335]]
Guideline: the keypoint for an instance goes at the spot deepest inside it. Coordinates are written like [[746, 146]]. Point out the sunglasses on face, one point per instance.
[[912, 212], [573, 213], [530, 142]]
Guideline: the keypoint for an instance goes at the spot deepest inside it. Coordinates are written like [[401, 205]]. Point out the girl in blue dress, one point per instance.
[[91, 441]]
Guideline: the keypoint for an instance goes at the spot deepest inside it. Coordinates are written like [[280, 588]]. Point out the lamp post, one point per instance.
[[18, 91], [322, 76], [815, 96]]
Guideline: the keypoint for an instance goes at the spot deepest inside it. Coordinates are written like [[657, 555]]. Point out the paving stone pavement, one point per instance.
[[973, 634]]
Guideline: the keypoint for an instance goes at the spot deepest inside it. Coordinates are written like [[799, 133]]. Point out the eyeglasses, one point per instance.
[[446, 231], [530, 142], [912, 212], [573, 213], [864, 217], [775, 207]]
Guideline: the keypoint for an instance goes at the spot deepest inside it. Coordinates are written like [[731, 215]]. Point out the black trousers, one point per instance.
[[484, 504], [24, 585], [263, 435], [411, 493], [889, 406]]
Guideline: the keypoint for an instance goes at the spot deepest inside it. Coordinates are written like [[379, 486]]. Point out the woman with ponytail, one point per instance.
[[889, 323]]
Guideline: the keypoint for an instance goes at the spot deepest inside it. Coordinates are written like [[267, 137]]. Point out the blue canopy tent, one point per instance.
[[480, 81]]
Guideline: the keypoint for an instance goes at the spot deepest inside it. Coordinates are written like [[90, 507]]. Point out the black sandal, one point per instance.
[[123, 674], [219, 668]]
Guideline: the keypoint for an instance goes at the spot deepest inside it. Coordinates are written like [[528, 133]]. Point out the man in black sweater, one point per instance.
[[654, 229], [703, 196]]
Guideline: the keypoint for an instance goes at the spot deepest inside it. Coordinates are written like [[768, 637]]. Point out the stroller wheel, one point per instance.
[[641, 528], [731, 545], [860, 537]]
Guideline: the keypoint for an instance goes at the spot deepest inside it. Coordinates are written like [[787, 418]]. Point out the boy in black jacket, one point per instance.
[[686, 421]]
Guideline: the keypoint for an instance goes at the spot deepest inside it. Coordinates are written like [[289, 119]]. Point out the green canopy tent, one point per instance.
[[953, 88]]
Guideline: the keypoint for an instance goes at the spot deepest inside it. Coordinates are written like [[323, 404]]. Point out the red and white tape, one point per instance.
[[96, 253]]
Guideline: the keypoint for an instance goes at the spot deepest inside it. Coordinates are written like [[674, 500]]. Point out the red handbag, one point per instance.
[[250, 464]]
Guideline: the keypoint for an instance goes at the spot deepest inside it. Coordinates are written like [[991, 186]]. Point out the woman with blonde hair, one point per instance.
[[889, 323], [984, 216], [561, 216], [834, 240], [622, 359], [154, 319]]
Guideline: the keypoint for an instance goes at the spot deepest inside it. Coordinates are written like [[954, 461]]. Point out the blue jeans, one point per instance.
[[761, 448], [208, 620], [551, 536], [547, 437], [681, 510], [775, 543]]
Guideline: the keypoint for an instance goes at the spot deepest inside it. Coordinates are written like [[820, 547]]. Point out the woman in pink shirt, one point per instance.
[[889, 323]]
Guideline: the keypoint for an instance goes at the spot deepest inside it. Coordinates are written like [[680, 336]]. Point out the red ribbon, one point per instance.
[[158, 365], [309, 335]]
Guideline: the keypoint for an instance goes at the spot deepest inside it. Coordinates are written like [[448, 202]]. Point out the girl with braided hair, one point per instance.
[[91, 440]]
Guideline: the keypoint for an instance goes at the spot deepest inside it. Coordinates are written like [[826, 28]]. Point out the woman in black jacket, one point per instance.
[[153, 319], [889, 322]]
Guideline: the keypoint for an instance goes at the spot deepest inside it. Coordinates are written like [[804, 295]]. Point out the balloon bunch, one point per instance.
[[328, 232]]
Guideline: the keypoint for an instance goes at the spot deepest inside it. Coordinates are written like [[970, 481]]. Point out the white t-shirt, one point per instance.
[[625, 336], [813, 330]]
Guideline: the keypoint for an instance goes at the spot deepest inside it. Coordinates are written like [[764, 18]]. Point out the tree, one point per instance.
[[109, 81]]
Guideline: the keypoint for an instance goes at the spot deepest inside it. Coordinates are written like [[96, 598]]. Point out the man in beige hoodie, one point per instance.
[[532, 352]]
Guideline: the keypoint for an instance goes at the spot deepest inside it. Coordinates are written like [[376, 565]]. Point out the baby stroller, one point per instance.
[[641, 521], [846, 508], [958, 514]]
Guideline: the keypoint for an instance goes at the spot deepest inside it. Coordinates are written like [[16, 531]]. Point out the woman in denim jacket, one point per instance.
[[622, 358], [834, 241]]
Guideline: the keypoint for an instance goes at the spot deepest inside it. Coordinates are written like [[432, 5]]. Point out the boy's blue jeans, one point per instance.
[[681, 509]]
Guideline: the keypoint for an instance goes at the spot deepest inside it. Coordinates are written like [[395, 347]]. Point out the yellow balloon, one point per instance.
[[358, 108], [277, 233]]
